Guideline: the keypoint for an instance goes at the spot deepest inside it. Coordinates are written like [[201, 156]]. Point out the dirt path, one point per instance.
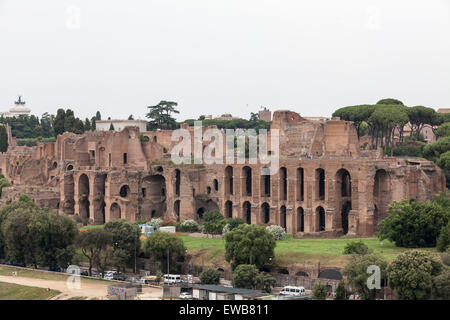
[[88, 290]]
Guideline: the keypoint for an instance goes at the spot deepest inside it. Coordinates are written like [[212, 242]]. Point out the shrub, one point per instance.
[[189, 226], [357, 247], [411, 274], [319, 291], [445, 257], [414, 224], [210, 276], [341, 292], [213, 222], [443, 241], [156, 223], [278, 232]]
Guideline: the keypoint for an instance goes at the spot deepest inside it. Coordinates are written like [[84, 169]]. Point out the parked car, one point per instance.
[[185, 295]]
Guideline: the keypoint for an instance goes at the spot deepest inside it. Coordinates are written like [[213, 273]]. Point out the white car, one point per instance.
[[185, 295]]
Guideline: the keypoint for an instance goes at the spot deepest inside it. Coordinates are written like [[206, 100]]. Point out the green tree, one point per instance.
[[443, 241], [265, 281], [69, 121], [111, 127], [244, 276], [87, 125], [249, 244], [164, 246], [98, 116], [210, 276], [130, 117], [358, 247], [58, 124], [161, 115], [411, 274], [356, 272], [3, 139], [443, 130], [93, 124], [419, 116], [341, 292], [423, 222], [213, 222], [54, 236], [390, 101], [319, 291], [93, 243], [441, 286], [126, 242]]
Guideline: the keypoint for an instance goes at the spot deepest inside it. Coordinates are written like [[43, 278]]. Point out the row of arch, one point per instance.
[[343, 178], [265, 217]]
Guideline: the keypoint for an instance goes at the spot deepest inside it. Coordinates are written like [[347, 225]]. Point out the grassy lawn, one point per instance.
[[11, 291], [294, 251]]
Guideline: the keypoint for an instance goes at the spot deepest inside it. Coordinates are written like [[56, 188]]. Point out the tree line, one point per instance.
[[387, 118]]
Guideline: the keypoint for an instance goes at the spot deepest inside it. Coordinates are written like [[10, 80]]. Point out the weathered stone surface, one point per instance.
[[326, 185]]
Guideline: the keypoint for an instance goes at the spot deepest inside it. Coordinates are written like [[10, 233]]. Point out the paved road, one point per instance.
[[90, 289]]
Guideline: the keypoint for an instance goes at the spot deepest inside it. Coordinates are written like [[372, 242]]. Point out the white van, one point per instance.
[[292, 291], [109, 275], [172, 278]]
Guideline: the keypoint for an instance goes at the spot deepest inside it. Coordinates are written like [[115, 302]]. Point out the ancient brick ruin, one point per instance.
[[325, 185]]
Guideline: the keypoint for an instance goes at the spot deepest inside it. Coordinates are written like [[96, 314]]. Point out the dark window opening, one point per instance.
[[125, 160]]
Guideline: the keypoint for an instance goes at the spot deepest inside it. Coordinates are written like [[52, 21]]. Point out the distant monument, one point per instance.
[[18, 109]]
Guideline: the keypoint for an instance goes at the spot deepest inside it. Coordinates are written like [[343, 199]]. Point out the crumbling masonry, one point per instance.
[[326, 184]]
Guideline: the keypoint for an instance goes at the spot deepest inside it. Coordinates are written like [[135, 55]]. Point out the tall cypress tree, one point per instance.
[[3, 139]]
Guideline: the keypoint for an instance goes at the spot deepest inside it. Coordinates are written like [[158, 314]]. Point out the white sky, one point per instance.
[[217, 56]]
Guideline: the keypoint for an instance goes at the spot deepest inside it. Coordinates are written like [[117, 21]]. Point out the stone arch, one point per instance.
[[69, 189], [283, 216], [346, 207], [229, 209], [69, 167], [247, 212], [124, 191], [177, 182], [154, 202], [115, 212], [246, 181], [99, 198], [332, 274], [283, 183], [320, 214], [55, 165], [265, 182], [83, 194], [265, 213], [343, 197], [382, 196], [302, 274], [200, 212], [229, 180], [300, 219], [320, 184], [282, 271], [176, 209], [300, 184]]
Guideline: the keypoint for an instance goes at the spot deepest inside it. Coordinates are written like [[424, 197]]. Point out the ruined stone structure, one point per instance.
[[326, 185]]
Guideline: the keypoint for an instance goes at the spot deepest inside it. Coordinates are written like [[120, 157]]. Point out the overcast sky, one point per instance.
[[217, 56]]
